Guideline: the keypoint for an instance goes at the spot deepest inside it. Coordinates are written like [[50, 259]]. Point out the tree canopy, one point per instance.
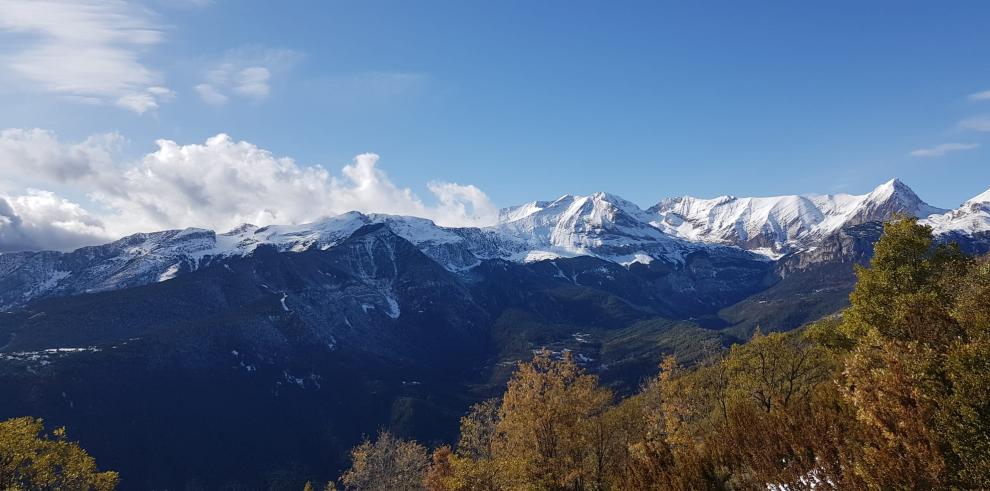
[[31, 459]]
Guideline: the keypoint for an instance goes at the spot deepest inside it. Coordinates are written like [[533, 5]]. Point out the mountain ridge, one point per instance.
[[776, 225], [601, 225]]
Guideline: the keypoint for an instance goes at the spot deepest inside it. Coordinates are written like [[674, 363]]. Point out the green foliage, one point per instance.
[[967, 405], [917, 373], [30, 459], [902, 294], [777, 370]]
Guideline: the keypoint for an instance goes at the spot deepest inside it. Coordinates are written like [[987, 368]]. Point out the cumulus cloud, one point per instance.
[[85, 50], [218, 184], [943, 149], [463, 205], [42, 220], [39, 154], [245, 72]]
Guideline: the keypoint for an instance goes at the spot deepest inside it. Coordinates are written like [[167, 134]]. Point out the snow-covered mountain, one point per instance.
[[972, 217], [780, 224], [600, 225]]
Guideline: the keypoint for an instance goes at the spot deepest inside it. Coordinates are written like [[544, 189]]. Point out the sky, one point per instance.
[[118, 117]]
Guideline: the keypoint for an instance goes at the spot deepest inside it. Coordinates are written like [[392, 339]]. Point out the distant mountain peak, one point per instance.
[[241, 229], [973, 217], [894, 188], [893, 182], [983, 197], [894, 196], [778, 224]]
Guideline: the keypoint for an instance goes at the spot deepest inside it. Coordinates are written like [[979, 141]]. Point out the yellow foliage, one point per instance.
[[31, 460]]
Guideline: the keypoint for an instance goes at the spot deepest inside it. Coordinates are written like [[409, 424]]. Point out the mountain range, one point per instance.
[[273, 349], [600, 225]]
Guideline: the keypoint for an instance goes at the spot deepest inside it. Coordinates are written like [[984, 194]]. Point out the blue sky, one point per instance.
[[524, 100]]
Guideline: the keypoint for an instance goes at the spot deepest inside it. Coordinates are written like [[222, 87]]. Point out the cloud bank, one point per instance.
[[218, 184]]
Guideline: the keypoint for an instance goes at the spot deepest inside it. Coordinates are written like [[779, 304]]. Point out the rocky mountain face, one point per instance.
[[274, 349]]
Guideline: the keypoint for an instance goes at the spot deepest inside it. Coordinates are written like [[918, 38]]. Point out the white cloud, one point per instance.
[[218, 184], [246, 72], [210, 95], [980, 96], [85, 50], [463, 205], [943, 149], [976, 123], [36, 153], [253, 82], [40, 219], [141, 102]]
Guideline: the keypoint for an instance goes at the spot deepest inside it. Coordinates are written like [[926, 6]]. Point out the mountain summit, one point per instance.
[[971, 218], [779, 224]]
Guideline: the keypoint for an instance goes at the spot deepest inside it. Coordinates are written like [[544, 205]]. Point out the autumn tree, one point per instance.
[[31, 459], [440, 473], [549, 426], [478, 429], [387, 464]]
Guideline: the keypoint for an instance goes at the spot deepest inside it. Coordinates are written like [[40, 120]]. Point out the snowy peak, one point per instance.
[[778, 224], [514, 213], [750, 222], [982, 198], [891, 188], [323, 233], [598, 211], [242, 229], [600, 224], [972, 217], [888, 199]]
